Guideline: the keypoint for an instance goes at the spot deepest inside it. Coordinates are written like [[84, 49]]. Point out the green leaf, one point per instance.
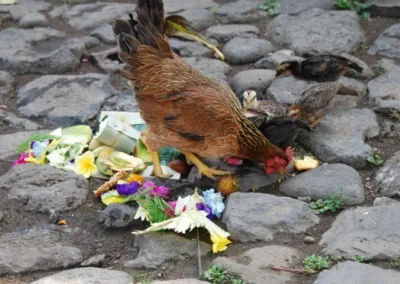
[[142, 153], [81, 134], [24, 146], [178, 26]]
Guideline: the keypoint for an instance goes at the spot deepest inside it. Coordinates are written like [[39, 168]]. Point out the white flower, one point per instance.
[[142, 214]]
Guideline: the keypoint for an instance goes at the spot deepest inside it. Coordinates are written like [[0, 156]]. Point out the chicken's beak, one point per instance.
[[292, 112], [281, 171]]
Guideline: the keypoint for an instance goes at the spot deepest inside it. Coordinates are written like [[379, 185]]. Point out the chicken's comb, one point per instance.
[[289, 153]]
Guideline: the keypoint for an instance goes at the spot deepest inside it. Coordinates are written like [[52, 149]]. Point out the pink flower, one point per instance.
[[21, 159], [148, 184], [160, 191]]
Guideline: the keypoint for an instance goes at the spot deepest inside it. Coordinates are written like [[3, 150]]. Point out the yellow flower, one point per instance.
[[219, 243], [133, 177], [112, 197], [85, 164]]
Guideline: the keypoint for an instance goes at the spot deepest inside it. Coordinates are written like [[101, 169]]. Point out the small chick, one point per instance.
[[271, 119], [250, 99], [315, 102], [260, 112], [319, 68]]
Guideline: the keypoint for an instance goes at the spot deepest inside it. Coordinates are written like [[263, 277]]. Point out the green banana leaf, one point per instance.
[[178, 26]]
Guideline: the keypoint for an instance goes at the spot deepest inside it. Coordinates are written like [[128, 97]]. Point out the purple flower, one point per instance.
[[148, 184], [204, 207], [160, 191], [21, 159], [127, 188]]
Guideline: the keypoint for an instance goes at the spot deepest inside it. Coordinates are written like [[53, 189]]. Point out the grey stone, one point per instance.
[[384, 65], [367, 72], [17, 54], [271, 60], [351, 272], [24, 7], [125, 101], [293, 7], [86, 16], [387, 44], [388, 177], [319, 183], [89, 275], [156, 249], [117, 216], [96, 260], [108, 60], [33, 20], [384, 8], [21, 51], [58, 11], [1, 216], [10, 120], [256, 79], [36, 250], [381, 201], [105, 34], [309, 240], [388, 129], [224, 33], [340, 137], [58, 99], [242, 11], [245, 213], [355, 85], [384, 91], [256, 180], [172, 6], [287, 89], [81, 45], [317, 31], [210, 67], [369, 232], [43, 187], [253, 266], [6, 83], [10, 142], [199, 18], [246, 50], [190, 48], [181, 281]]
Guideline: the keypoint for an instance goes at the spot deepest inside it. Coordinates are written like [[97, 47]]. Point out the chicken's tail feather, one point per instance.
[[146, 31]]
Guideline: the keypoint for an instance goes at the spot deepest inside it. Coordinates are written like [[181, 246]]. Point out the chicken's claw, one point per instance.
[[203, 168], [211, 172]]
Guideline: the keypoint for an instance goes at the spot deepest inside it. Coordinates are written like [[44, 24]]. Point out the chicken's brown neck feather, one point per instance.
[[253, 143]]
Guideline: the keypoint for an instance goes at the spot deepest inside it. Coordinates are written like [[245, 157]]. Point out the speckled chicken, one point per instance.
[[315, 102], [271, 119], [182, 108], [261, 111], [319, 68]]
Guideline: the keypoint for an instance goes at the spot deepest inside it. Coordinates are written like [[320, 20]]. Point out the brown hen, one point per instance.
[[198, 115]]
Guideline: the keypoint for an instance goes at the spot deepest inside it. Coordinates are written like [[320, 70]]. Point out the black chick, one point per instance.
[[282, 131], [319, 68]]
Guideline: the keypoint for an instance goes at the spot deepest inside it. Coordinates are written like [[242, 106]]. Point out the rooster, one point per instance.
[[182, 108]]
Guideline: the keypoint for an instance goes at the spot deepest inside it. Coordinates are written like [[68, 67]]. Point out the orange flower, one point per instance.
[[137, 178]]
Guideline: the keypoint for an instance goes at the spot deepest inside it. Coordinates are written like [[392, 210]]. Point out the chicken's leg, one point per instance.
[[157, 170], [203, 168]]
